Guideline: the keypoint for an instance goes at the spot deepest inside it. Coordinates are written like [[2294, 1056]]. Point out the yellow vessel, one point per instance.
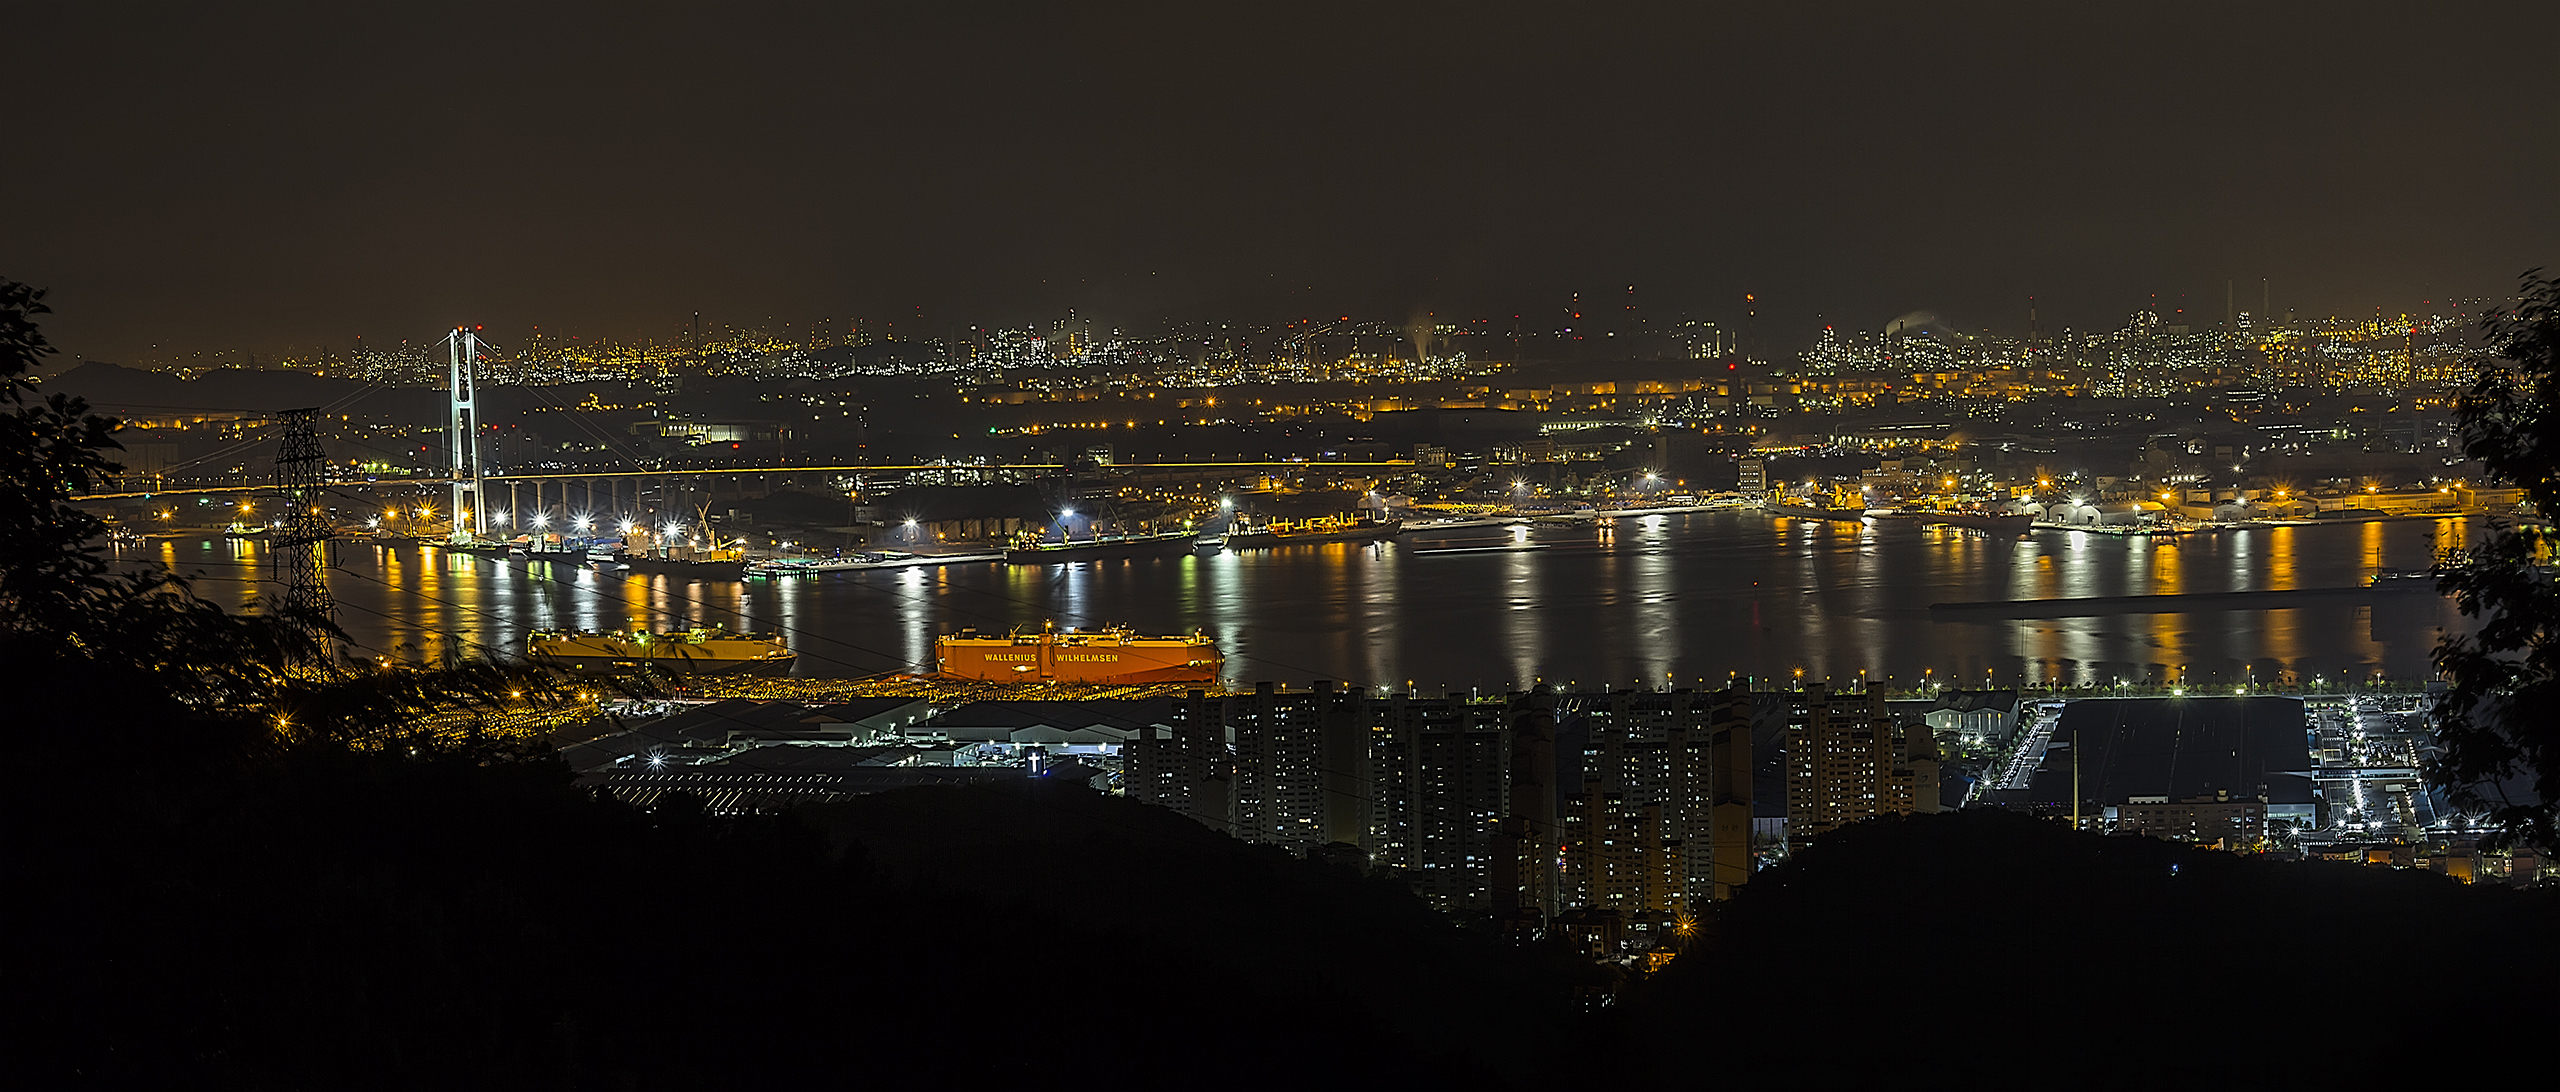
[[699, 650]]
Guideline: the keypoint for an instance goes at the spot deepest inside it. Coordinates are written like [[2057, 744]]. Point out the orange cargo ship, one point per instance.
[[1116, 656]]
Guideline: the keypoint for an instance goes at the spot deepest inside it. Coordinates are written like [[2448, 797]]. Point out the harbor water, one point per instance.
[[1683, 599]]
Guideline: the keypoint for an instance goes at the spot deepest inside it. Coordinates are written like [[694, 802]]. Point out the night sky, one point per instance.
[[221, 178]]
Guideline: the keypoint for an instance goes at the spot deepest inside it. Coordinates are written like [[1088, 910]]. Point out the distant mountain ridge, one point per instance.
[[115, 386]]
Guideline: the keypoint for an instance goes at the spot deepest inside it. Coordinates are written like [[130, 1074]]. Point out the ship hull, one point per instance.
[[672, 664], [2000, 523], [1436, 526], [555, 557], [1107, 660], [613, 651], [694, 570], [1997, 522], [1089, 550], [839, 565], [1803, 511], [1262, 540]]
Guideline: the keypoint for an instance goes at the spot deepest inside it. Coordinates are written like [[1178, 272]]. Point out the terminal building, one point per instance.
[[1973, 718], [2221, 767], [742, 755], [2217, 820], [1754, 480]]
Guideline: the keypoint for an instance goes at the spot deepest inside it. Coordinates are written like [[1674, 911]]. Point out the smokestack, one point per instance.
[[1750, 323]]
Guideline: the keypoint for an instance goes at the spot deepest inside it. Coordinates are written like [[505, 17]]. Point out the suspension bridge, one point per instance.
[[616, 494]]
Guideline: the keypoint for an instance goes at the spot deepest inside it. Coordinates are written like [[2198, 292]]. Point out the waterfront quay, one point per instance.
[[940, 691]]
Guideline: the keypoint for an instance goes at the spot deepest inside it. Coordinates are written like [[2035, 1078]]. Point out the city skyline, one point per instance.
[[1430, 348], [611, 177]]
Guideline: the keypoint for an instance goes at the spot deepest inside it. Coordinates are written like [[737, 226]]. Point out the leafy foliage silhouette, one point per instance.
[[251, 681], [2500, 716]]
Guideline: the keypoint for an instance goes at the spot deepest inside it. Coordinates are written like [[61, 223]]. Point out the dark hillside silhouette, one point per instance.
[[469, 919], [1215, 948], [236, 868], [1985, 948]]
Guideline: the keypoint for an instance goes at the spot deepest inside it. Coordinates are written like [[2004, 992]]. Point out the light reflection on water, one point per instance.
[[1691, 598]]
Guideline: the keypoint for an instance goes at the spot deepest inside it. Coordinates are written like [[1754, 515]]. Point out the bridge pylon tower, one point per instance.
[[462, 436]]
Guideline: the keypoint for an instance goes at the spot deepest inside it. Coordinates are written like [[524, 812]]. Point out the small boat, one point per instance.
[[1994, 522], [1300, 532], [704, 568], [1460, 523], [1099, 548], [1652, 510], [1809, 511], [855, 563]]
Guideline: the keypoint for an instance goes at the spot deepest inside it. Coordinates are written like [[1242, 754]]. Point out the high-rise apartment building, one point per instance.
[[1420, 785], [1617, 858], [1442, 769], [1645, 806], [1527, 856], [1848, 760], [1689, 754], [1186, 766], [1302, 766]]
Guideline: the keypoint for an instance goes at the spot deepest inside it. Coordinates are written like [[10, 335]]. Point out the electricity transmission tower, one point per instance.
[[301, 470]]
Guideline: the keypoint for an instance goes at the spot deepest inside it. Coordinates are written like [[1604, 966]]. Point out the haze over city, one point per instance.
[[278, 178]]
